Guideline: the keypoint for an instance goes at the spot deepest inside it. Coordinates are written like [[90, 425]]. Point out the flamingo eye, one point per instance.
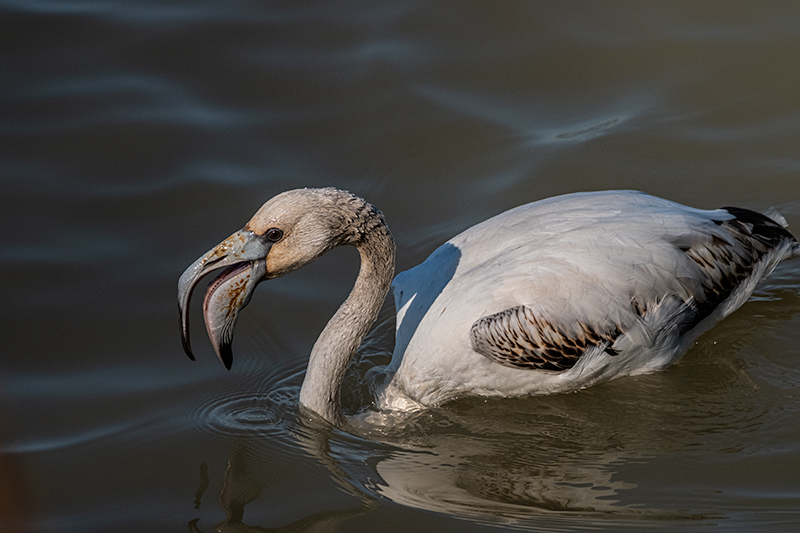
[[274, 234]]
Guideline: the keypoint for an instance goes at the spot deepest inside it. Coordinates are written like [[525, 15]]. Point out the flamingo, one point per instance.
[[552, 296]]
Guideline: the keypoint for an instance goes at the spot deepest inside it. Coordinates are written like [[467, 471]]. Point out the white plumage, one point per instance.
[[587, 258], [552, 296]]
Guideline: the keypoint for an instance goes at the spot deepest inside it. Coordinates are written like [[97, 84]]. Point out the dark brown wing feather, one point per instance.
[[518, 338], [726, 264]]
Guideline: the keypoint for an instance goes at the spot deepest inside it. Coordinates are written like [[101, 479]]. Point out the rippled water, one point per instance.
[[135, 135]]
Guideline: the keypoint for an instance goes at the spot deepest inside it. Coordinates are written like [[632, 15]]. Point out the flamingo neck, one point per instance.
[[338, 342]]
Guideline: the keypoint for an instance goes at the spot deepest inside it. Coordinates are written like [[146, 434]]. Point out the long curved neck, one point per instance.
[[338, 342]]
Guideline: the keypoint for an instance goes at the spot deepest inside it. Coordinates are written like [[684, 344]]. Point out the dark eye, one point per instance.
[[274, 234]]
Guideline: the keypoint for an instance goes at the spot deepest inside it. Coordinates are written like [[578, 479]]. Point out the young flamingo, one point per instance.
[[551, 296]]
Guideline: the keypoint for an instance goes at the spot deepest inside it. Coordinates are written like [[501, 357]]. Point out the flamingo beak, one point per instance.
[[243, 258]]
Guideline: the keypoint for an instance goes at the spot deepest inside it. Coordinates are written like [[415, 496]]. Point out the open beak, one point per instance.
[[243, 258]]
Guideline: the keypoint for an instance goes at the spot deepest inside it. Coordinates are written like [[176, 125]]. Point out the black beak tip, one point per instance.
[[185, 335], [226, 356], [187, 348]]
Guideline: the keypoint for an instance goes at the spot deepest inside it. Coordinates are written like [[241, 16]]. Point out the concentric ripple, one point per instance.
[[248, 413]]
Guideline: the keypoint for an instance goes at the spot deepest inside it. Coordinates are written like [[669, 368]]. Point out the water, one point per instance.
[[135, 135]]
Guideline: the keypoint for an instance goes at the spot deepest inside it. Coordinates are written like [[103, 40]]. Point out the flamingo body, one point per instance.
[[622, 264]]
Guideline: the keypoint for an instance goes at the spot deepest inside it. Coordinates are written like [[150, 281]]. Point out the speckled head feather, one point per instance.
[[314, 221]]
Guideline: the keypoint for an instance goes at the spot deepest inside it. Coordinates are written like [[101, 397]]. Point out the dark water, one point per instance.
[[135, 135]]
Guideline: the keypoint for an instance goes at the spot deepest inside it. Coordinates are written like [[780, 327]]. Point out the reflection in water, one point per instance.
[[247, 474], [456, 474], [459, 480], [204, 483], [490, 467], [439, 461]]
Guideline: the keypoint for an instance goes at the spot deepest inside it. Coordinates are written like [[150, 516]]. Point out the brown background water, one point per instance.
[[134, 135]]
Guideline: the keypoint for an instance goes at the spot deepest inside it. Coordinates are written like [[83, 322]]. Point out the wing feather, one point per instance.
[[700, 268], [518, 338]]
